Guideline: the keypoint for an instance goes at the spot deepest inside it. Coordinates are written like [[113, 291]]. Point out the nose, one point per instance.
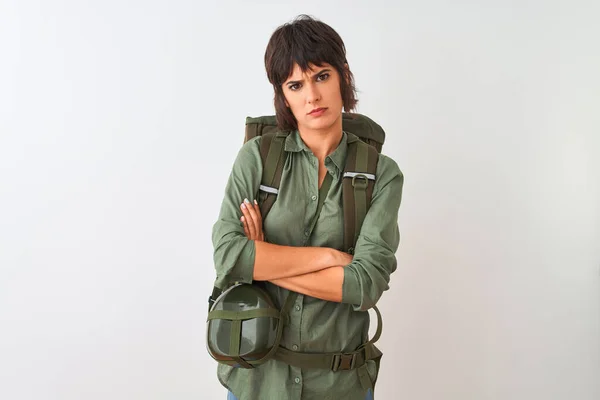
[[312, 93]]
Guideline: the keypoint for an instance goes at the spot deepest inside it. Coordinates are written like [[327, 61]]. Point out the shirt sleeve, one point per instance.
[[234, 253], [368, 275]]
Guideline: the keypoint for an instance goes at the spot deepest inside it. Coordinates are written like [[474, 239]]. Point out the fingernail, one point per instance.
[[246, 201], [243, 205], [255, 202], [242, 219]]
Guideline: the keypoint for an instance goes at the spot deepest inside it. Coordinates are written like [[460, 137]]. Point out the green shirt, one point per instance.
[[316, 325]]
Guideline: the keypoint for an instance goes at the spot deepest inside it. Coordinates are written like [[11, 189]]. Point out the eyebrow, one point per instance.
[[302, 80]]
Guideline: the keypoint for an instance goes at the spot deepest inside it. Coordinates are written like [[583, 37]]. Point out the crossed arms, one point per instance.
[[313, 271]]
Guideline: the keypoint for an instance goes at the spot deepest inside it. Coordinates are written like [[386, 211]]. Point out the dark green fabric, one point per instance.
[[242, 315], [360, 183], [272, 159], [270, 166], [357, 192], [349, 199], [234, 339]]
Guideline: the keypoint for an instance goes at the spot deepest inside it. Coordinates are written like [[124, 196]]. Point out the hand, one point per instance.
[[252, 221]]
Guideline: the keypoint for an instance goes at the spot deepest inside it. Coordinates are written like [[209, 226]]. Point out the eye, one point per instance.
[[294, 87], [323, 76]]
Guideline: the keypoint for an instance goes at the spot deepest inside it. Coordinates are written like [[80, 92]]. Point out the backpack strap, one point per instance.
[[272, 154], [357, 192], [357, 187], [371, 352]]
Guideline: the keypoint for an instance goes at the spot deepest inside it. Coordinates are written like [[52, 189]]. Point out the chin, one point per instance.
[[321, 123]]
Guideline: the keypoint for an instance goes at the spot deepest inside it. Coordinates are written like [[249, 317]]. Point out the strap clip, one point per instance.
[[362, 183], [343, 361]]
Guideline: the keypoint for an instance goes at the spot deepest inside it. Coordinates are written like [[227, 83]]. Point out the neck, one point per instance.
[[322, 142]]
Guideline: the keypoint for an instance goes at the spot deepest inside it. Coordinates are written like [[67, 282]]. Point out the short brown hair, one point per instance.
[[305, 41]]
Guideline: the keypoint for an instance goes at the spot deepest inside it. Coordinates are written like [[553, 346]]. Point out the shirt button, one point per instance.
[[295, 348], [306, 233], [297, 308], [297, 380], [314, 198]]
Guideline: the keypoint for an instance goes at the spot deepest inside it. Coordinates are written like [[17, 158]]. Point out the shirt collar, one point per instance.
[[294, 143]]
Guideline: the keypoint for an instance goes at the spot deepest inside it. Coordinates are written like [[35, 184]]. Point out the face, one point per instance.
[[314, 97]]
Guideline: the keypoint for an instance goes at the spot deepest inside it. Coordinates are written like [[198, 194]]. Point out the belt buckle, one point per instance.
[[343, 362]]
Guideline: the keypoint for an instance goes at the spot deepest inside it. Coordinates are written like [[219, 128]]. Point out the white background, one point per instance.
[[119, 122]]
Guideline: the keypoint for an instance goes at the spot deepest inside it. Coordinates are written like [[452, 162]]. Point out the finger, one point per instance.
[[255, 218], [249, 221], [247, 229], [260, 227], [258, 213], [245, 220], [245, 225]]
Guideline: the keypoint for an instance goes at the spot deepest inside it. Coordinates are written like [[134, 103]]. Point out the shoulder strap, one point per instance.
[[357, 187], [272, 154], [357, 192]]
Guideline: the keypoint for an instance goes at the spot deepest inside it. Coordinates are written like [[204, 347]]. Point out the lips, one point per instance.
[[317, 110]]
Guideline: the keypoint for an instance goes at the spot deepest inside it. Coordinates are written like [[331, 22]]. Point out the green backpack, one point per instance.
[[359, 172], [227, 312]]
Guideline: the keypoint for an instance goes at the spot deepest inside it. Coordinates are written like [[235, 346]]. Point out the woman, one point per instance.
[[306, 64]]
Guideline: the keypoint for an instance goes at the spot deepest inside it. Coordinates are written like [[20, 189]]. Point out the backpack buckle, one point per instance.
[[343, 362], [362, 183]]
